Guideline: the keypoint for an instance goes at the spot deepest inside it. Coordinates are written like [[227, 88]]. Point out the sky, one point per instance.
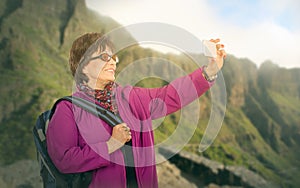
[[259, 30]]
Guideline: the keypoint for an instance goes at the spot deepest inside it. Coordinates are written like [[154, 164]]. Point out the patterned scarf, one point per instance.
[[105, 97]]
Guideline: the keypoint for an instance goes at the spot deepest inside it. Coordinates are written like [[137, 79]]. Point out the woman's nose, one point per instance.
[[112, 62]]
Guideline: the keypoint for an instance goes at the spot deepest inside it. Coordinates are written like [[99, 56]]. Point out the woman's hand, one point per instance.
[[215, 64], [120, 135]]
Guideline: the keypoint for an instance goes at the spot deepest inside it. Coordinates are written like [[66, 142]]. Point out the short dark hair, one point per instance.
[[82, 48]]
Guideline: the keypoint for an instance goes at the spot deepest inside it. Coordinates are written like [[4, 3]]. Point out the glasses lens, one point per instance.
[[115, 58], [105, 57]]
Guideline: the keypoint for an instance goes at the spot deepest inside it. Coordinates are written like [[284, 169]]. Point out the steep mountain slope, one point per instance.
[[34, 42], [261, 129], [265, 103]]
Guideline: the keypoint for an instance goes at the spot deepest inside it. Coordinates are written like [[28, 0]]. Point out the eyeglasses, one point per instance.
[[106, 57]]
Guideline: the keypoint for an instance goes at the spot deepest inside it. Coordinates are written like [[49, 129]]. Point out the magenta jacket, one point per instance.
[[76, 139]]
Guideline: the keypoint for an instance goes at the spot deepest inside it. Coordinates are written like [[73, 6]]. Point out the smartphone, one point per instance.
[[209, 48]]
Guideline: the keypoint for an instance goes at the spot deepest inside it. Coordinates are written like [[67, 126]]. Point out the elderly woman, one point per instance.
[[79, 141]]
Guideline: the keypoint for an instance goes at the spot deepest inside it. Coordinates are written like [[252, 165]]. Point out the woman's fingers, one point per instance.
[[214, 40], [126, 128], [127, 133], [220, 48], [215, 64], [122, 133]]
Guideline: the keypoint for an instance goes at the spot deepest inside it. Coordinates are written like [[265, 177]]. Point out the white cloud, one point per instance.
[[261, 40], [266, 41]]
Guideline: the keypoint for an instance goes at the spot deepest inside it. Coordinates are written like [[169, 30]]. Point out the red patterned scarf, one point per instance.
[[105, 97]]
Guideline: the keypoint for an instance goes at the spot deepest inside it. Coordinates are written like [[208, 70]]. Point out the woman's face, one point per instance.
[[101, 69]]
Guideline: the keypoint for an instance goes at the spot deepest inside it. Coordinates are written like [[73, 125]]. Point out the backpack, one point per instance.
[[51, 176]]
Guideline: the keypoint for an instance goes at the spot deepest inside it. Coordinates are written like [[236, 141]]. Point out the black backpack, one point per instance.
[[51, 176]]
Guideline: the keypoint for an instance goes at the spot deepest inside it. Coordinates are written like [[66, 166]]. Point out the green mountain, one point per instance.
[[34, 42], [261, 129]]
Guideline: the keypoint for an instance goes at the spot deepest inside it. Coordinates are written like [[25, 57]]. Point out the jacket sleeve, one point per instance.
[[63, 144], [172, 97]]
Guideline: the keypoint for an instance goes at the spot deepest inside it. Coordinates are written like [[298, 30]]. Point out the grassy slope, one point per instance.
[[35, 72]]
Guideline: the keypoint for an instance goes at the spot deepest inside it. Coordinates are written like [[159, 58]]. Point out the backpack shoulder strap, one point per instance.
[[107, 116], [50, 113]]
